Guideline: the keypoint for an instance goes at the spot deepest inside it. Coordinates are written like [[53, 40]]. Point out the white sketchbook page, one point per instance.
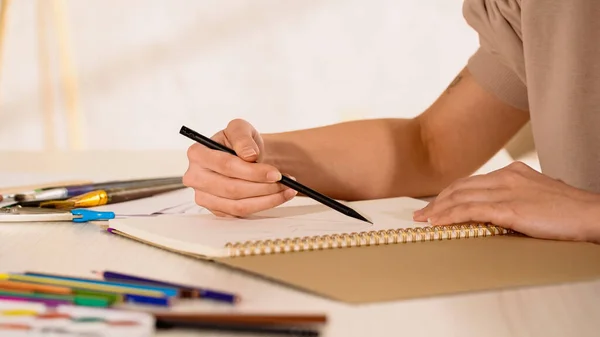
[[174, 202], [205, 234]]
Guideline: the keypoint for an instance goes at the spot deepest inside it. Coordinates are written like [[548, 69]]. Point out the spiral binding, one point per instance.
[[370, 238]]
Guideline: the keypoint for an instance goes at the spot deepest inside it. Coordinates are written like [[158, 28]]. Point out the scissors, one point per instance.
[[36, 214]]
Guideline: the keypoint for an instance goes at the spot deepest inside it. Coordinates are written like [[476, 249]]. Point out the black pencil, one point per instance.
[[291, 183], [162, 324]]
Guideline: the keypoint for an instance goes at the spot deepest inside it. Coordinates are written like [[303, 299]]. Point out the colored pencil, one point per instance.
[[57, 290], [45, 301], [167, 291], [115, 297], [191, 290], [82, 285], [110, 297], [83, 300], [18, 312], [12, 285]]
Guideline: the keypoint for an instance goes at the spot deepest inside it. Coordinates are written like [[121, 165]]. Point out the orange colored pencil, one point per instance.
[[32, 287]]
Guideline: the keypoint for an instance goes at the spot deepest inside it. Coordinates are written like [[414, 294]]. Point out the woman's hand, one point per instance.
[[519, 198], [229, 185]]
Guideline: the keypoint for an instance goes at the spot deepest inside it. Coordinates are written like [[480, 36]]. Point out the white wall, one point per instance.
[[157, 64]]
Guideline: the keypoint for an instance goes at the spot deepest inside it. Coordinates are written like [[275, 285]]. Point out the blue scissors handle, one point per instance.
[[85, 215]]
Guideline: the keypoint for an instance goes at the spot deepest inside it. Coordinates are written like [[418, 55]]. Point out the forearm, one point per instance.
[[595, 237], [593, 227], [416, 157], [356, 160]]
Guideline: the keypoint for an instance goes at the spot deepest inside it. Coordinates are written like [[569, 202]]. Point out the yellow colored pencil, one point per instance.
[[83, 285], [19, 312]]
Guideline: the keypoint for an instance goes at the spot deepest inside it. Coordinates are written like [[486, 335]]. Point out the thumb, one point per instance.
[[240, 135]]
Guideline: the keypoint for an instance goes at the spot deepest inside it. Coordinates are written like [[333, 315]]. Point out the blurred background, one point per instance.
[[125, 75]]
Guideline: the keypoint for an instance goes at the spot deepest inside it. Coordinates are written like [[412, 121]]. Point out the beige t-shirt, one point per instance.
[[544, 56]]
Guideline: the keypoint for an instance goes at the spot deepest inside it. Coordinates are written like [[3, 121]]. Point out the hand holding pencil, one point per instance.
[[226, 160], [238, 185]]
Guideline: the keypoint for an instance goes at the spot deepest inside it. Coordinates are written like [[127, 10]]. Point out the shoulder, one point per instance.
[[497, 22]]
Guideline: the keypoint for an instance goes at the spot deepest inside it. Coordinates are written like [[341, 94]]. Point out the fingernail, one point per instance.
[[249, 152], [288, 194], [418, 215], [273, 176]]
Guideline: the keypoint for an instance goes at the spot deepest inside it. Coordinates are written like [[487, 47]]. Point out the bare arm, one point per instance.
[[416, 157]]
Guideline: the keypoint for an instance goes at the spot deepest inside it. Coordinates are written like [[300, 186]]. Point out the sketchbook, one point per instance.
[[295, 228], [311, 247]]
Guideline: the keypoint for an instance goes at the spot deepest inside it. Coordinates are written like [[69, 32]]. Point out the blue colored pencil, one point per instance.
[[198, 292], [169, 291], [160, 301]]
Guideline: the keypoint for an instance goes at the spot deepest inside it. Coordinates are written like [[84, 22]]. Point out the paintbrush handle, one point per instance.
[[138, 183], [127, 194]]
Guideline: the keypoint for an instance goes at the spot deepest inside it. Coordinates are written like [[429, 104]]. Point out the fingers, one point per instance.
[[235, 185], [234, 167], [499, 214], [231, 166], [244, 207], [486, 187], [462, 190], [481, 198], [459, 197], [490, 180], [244, 139], [230, 188], [505, 177], [242, 136]]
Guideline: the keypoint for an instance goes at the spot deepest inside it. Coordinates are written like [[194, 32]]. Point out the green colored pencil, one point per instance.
[[83, 300], [110, 297], [83, 285]]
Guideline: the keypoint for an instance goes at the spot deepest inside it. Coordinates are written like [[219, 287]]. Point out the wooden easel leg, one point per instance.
[[4, 5], [68, 76], [47, 101]]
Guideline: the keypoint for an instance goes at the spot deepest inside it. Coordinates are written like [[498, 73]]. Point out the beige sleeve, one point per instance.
[[498, 79], [498, 64]]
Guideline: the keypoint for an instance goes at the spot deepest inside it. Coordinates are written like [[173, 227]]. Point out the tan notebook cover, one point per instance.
[[427, 264], [423, 269]]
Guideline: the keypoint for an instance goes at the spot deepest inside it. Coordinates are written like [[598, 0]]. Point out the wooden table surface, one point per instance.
[[560, 310]]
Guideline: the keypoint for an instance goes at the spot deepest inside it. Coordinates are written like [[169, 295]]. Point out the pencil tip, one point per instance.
[[356, 215]]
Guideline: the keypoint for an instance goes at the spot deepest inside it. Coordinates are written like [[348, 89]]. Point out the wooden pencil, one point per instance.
[[48, 289], [82, 285]]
